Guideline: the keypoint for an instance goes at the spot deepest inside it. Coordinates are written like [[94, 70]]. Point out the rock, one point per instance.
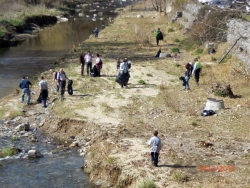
[[139, 16], [23, 127], [165, 55], [74, 144], [80, 14], [34, 154]]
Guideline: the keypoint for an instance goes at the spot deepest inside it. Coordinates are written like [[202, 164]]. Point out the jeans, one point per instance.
[[89, 67], [44, 95], [57, 86], [187, 84], [27, 91], [82, 68], [197, 75], [154, 158], [62, 86]]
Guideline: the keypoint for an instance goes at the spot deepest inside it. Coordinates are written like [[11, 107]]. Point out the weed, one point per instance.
[[177, 65], [179, 176], [141, 82], [170, 30], [198, 51], [146, 184], [177, 40], [220, 93], [175, 50], [194, 124], [15, 22], [149, 75], [111, 160], [8, 152], [13, 139], [213, 59]]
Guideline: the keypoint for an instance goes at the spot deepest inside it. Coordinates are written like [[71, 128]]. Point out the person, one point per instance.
[[96, 31], [61, 77], [82, 62], [196, 70], [54, 78], [155, 147], [98, 64], [124, 72], [24, 85], [43, 91], [158, 36], [118, 64], [88, 59], [188, 74]]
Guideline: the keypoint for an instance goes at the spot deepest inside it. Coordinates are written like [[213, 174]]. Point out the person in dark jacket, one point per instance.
[[24, 85]]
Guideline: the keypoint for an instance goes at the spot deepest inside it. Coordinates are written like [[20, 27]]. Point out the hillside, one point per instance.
[[112, 125]]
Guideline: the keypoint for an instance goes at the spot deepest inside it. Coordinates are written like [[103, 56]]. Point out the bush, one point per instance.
[[141, 82], [8, 152], [170, 30], [179, 177], [146, 184], [175, 50], [198, 51], [176, 40]]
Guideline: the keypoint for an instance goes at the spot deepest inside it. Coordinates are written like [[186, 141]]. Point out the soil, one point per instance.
[[111, 125]]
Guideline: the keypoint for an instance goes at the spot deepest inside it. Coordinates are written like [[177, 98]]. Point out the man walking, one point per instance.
[[24, 85], [158, 36], [96, 31], [88, 59], [155, 144], [44, 91], [62, 81], [196, 70], [82, 61]]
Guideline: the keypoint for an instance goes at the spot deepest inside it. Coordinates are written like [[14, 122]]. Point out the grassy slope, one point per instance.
[[123, 119]]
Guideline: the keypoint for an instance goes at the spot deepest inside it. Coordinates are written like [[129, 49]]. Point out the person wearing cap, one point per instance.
[[96, 31], [24, 85], [196, 70], [155, 147]]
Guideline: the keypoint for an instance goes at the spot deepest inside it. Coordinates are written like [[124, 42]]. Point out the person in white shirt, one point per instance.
[[88, 60], [44, 91], [155, 147], [61, 78], [98, 64]]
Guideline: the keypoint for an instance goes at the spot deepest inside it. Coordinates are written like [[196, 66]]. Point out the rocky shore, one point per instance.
[[110, 126]]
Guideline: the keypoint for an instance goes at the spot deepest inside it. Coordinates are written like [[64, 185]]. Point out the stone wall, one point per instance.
[[237, 29]]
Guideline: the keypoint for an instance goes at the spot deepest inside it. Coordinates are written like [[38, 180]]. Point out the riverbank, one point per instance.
[[112, 125]]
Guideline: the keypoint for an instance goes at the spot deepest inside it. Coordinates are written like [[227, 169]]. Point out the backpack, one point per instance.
[[207, 113], [56, 75], [100, 63], [160, 36]]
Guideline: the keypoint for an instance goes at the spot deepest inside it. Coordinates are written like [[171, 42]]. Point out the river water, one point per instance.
[[33, 56]]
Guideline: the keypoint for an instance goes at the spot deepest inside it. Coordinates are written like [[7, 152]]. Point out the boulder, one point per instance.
[[34, 154], [165, 54]]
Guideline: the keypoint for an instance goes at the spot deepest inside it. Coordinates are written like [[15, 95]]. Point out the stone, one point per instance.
[[139, 16], [34, 154], [165, 55]]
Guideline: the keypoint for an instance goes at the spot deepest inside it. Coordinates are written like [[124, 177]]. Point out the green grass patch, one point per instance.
[[170, 30], [141, 82], [177, 65], [175, 50], [13, 139], [177, 40], [15, 22], [8, 152], [146, 184], [213, 59], [198, 51], [111, 160], [179, 176], [150, 75]]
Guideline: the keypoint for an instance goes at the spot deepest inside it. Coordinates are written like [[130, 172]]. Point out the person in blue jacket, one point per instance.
[[24, 85]]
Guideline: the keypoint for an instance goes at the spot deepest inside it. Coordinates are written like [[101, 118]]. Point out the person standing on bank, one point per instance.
[[24, 85], [82, 62], [62, 81], [196, 70], [44, 91], [98, 64], [158, 36], [96, 31], [88, 60], [155, 144]]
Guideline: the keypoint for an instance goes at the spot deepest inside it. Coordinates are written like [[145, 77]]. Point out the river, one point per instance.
[[31, 57]]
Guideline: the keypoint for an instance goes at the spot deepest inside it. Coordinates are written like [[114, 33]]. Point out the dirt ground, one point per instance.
[[113, 124]]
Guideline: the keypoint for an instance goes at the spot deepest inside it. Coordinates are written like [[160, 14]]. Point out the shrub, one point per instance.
[[213, 59], [175, 50], [177, 65], [8, 152], [179, 177], [176, 40], [149, 75], [146, 184], [198, 51], [170, 30], [142, 82]]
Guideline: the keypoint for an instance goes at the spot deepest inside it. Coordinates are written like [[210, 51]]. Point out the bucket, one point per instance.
[[214, 104]]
